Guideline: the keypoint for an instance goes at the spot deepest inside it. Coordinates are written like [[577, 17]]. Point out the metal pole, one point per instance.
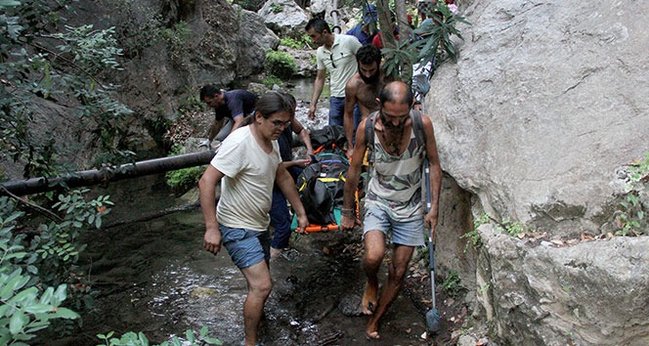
[[107, 174]]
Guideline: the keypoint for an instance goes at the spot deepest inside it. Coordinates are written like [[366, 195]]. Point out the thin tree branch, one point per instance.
[[50, 215]]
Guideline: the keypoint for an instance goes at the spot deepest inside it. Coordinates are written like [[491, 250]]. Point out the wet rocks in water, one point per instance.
[[202, 292], [350, 305]]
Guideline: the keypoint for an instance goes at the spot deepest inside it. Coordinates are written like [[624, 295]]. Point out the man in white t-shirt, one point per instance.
[[248, 165], [336, 55]]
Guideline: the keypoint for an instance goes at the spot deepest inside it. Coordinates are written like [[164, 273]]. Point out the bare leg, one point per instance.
[[259, 286], [374, 253], [396, 273]]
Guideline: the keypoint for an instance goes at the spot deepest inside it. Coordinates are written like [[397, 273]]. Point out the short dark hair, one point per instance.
[[273, 102], [290, 99], [317, 24], [368, 54], [391, 93], [209, 90]]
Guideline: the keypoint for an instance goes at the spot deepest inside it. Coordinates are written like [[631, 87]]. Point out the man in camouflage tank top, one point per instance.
[[393, 202]]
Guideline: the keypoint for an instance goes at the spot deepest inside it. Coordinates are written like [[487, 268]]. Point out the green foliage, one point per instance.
[[139, 339], [56, 244], [431, 43], [280, 64], [271, 80], [276, 8], [396, 60], [513, 228], [473, 236], [640, 169], [452, 284], [302, 42], [93, 50], [39, 256], [435, 42], [177, 38], [185, 178], [43, 66], [631, 215], [290, 42], [28, 303]]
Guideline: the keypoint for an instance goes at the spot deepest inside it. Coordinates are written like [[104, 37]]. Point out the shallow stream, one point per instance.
[[154, 277]]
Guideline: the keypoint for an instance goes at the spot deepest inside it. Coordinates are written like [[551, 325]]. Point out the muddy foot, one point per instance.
[[372, 335], [370, 296]]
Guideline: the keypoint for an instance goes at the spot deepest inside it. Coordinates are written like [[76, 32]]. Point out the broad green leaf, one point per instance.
[[39, 308], [24, 294], [16, 255], [59, 295], [142, 338], [3, 309], [65, 313], [14, 215], [17, 322], [189, 334]]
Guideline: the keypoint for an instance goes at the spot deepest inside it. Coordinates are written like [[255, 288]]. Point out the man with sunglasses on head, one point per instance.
[[393, 202], [335, 55]]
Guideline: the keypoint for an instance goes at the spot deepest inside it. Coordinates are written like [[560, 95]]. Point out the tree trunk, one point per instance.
[[98, 176], [386, 24], [405, 32]]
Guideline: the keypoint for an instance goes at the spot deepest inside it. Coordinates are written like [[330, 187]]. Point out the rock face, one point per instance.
[[546, 101], [592, 293], [171, 48], [253, 43], [206, 42], [284, 17], [537, 120]]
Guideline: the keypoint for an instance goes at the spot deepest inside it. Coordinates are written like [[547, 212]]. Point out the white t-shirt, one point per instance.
[[343, 56], [247, 187]]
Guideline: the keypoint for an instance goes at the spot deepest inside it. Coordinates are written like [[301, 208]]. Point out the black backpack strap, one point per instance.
[[369, 136], [418, 127]]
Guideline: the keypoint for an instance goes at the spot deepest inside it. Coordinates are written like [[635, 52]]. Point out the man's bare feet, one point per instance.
[[372, 332], [370, 296], [372, 336]]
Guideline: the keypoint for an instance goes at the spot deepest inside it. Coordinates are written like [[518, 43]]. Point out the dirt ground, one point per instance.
[[417, 289]]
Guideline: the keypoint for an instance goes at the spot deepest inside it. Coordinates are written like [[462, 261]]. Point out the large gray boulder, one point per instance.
[[546, 102], [284, 17], [554, 293], [254, 41], [537, 121]]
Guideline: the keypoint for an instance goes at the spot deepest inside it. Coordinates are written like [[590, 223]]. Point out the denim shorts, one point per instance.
[[409, 233], [246, 247]]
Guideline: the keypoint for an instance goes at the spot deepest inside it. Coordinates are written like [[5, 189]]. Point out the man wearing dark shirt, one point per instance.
[[230, 107]]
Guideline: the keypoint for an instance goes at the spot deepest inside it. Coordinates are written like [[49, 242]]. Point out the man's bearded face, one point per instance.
[[370, 73]]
